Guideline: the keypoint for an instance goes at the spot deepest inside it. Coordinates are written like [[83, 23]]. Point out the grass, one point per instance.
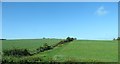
[[92, 50], [75, 51], [30, 44], [0, 50]]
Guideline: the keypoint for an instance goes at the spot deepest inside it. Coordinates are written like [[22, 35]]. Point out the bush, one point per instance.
[[16, 52], [118, 38], [44, 48], [25, 60], [40, 49], [47, 47], [68, 39]]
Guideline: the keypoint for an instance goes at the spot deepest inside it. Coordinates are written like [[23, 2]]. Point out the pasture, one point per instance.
[[30, 44], [75, 51]]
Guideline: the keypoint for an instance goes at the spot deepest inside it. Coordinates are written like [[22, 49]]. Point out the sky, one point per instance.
[[60, 0], [0, 20], [83, 20]]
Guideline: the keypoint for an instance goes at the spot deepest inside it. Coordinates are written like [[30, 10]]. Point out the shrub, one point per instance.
[[40, 49], [61, 42], [68, 39], [16, 52], [118, 38], [44, 48], [47, 47]]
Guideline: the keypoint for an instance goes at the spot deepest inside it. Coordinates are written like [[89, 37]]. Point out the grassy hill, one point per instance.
[[88, 51], [75, 51], [30, 44]]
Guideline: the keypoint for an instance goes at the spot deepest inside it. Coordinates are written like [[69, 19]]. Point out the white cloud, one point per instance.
[[101, 11]]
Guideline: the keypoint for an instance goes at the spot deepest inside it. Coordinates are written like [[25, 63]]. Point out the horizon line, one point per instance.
[[53, 38]]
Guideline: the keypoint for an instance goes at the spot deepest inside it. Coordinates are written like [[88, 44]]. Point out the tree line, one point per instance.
[[117, 38], [48, 47]]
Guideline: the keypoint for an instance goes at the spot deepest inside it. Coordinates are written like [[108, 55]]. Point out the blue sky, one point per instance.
[[92, 20], [0, 20]]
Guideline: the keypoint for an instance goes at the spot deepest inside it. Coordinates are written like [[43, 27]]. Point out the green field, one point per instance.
[[75, 51], [30, 44]]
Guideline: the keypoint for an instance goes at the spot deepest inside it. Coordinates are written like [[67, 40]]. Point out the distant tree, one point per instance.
[[118, 38], [114, 39], [68, 39], [43, 37], [2, 39], [75, 38]]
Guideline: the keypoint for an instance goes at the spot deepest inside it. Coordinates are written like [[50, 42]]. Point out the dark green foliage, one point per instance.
[[44, 48], [62, 42], [40, 49], [114, 39], [68, 39], [2, 39], [44, 38], [16, 52], [33, 60], [118, 38], [47, 47]]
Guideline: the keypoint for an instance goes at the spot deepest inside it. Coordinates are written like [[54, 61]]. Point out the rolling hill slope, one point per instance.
[[75, 51], [30, 44]]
